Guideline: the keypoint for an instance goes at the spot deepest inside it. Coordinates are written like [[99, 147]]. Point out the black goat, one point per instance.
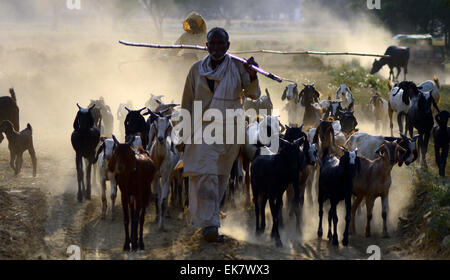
[[420, 116], [348, 122], [441, 136], [399, 57], [85, 139], [308, 96], [18, 142], [270, 177], [9, 109], [135, 123], [336, 184], [307, 156]]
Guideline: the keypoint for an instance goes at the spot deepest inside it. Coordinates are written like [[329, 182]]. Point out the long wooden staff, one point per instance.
[[196, 47]]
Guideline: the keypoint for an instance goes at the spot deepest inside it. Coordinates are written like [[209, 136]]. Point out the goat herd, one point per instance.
[[327, 151]]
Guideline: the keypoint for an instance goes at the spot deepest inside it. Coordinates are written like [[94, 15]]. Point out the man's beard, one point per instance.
[[213, 56]]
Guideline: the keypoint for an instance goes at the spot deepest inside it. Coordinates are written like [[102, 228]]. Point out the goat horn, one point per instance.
[[79, 107], [313, 84], [142, 109], [127, 109]]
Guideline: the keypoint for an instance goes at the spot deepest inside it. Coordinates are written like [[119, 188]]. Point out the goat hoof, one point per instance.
[[367, 234], [80, 197], [329, 235], [278, 243], [345, 242], [126, 247], [319, 233], [141, 246], [335, 242], [385, 235]]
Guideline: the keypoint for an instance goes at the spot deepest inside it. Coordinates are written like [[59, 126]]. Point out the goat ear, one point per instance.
[[404, 137], [102, 139], [100, 149], [115, 139]]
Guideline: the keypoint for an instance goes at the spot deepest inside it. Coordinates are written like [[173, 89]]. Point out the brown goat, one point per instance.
[[374, 180], [9, 109], [18, 142], [134, 173]]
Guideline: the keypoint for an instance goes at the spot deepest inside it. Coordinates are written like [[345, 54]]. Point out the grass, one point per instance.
[[428, 220]]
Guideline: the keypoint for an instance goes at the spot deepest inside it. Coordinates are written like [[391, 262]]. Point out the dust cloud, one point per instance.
[[55, 66]]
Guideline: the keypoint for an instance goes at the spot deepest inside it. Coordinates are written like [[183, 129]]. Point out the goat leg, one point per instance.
[[274, 207], [88, 180], [141, 228], [104, 203], [113, 195], [369, 208], [80, 175], [355, 206], [19, 161], [256, 202], [330, 218], [335, 222], [319, 231], [391, 125], [384, 211], [33, 159], [126, 221], [12, 160], [348, 209]]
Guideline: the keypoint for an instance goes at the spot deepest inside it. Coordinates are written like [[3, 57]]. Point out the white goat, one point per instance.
[[368, 144], [346, 95], [165, 157], [293, 107], [432, 86], [103, 155]]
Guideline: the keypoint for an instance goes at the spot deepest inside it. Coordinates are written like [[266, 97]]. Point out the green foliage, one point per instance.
[[361, 82], [436, 205]]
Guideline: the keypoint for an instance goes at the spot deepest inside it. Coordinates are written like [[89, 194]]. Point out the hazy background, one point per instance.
[[55, 57]]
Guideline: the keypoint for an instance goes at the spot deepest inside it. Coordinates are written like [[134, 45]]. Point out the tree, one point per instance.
[[158, 9]]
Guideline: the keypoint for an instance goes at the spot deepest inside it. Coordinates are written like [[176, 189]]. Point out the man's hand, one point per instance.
[[250, 71]]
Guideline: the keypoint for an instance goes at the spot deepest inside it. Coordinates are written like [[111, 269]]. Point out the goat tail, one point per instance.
[[13, 94], [29, 127]]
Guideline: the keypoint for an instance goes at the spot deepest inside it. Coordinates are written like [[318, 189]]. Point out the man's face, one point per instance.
[[217, 46]]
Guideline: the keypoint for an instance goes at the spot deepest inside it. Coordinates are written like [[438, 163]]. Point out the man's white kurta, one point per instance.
[[214, 159]]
